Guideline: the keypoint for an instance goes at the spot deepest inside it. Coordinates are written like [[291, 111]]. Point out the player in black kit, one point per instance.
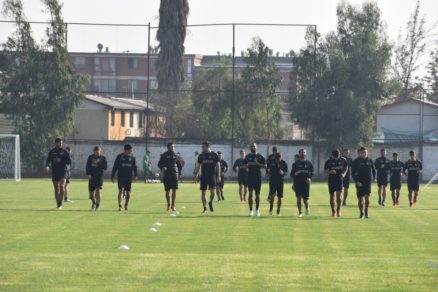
[[124, 165], [302, 173], [412, 169], [220, 184], [269, 160], [242, 175], [58, 160], [395, 169], [363, 172], [336, 168], [346, 180], [381, 165], [96, 165], [277, 171], [170, 167], [255, 162], [208, 163]]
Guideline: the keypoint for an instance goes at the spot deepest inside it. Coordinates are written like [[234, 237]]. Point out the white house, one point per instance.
[[403, 121]]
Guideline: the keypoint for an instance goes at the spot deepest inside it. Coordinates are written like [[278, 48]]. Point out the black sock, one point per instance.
[[97, 205]]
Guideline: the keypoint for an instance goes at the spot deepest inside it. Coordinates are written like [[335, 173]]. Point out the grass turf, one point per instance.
[[76, 249]]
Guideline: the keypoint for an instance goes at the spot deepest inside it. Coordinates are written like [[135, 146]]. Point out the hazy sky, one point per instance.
[[209, 40]]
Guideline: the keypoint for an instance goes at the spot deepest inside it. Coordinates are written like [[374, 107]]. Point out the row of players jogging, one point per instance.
[[210, 168]]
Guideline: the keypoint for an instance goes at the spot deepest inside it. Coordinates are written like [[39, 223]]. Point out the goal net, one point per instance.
[[10, 157]]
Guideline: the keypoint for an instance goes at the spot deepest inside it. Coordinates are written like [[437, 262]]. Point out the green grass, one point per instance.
[[76, 249]]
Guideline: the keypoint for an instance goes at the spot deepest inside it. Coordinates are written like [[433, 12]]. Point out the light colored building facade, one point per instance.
[[110, 118], [403, 121]]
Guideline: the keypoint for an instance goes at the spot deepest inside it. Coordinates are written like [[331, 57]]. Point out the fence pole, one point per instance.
[[147, 87], [233, 95]]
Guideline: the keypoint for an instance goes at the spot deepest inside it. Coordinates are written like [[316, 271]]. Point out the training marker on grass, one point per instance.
[[157, 224], [153, 229], [124, 247]]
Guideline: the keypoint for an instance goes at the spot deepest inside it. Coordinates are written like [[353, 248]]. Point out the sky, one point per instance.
[[210, 40]]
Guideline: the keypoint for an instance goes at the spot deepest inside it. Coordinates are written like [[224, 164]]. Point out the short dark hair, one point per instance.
[[412, 152], [206, 143], [147, 151], [336, 153], [394, 154], [274, 149], [127, 147], [96, 148], [382, 149], [296, 156], [219, 152], [277, 155], [58, 140], [169, 144], [362, 149]]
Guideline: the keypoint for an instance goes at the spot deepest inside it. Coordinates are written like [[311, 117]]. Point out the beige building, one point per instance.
[[110, 118]]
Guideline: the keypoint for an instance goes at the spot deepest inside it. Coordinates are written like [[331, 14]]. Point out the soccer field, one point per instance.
[[77, 249]]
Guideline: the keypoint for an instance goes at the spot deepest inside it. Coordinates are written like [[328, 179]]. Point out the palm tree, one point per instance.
[[171, 36]]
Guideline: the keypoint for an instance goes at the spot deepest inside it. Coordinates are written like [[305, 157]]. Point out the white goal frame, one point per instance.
[[17, 166]]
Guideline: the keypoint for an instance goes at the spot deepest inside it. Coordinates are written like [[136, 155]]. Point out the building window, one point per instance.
[[132, 63], [104, 85], [79, 61], [113, 118], [132, 85], [122, 119], [131, 119], [153, 84], [140, 119], [105, 66]]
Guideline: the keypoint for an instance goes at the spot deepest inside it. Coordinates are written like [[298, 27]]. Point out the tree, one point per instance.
[[171, 36], [409, 50], [209, 102], [349, 69], [257, 105], [432, 76], [40, 90]]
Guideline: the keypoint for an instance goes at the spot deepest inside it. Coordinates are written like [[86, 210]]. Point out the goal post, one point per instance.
[[10, 164]]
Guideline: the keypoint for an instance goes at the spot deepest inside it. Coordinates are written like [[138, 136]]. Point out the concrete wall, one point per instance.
[[91, 123], [81, 150]]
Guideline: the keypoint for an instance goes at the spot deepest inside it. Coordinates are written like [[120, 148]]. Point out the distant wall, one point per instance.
[[187, 148], [82, 149]]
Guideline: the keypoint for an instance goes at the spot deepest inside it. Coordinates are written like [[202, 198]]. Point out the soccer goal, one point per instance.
[[10, 167]]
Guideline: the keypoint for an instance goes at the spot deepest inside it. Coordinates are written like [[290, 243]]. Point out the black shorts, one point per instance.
[[58, 175], [364, 190], [413, 185], [382, 180], [395, 184], [208, 182], [124, 183], [302, 190], [346, 182], [255, 184], [243, 180], [334, 186], [276, 187], [170, 182], [95, 183]]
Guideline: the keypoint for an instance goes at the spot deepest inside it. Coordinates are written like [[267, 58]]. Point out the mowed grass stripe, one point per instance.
[[76, 249]]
